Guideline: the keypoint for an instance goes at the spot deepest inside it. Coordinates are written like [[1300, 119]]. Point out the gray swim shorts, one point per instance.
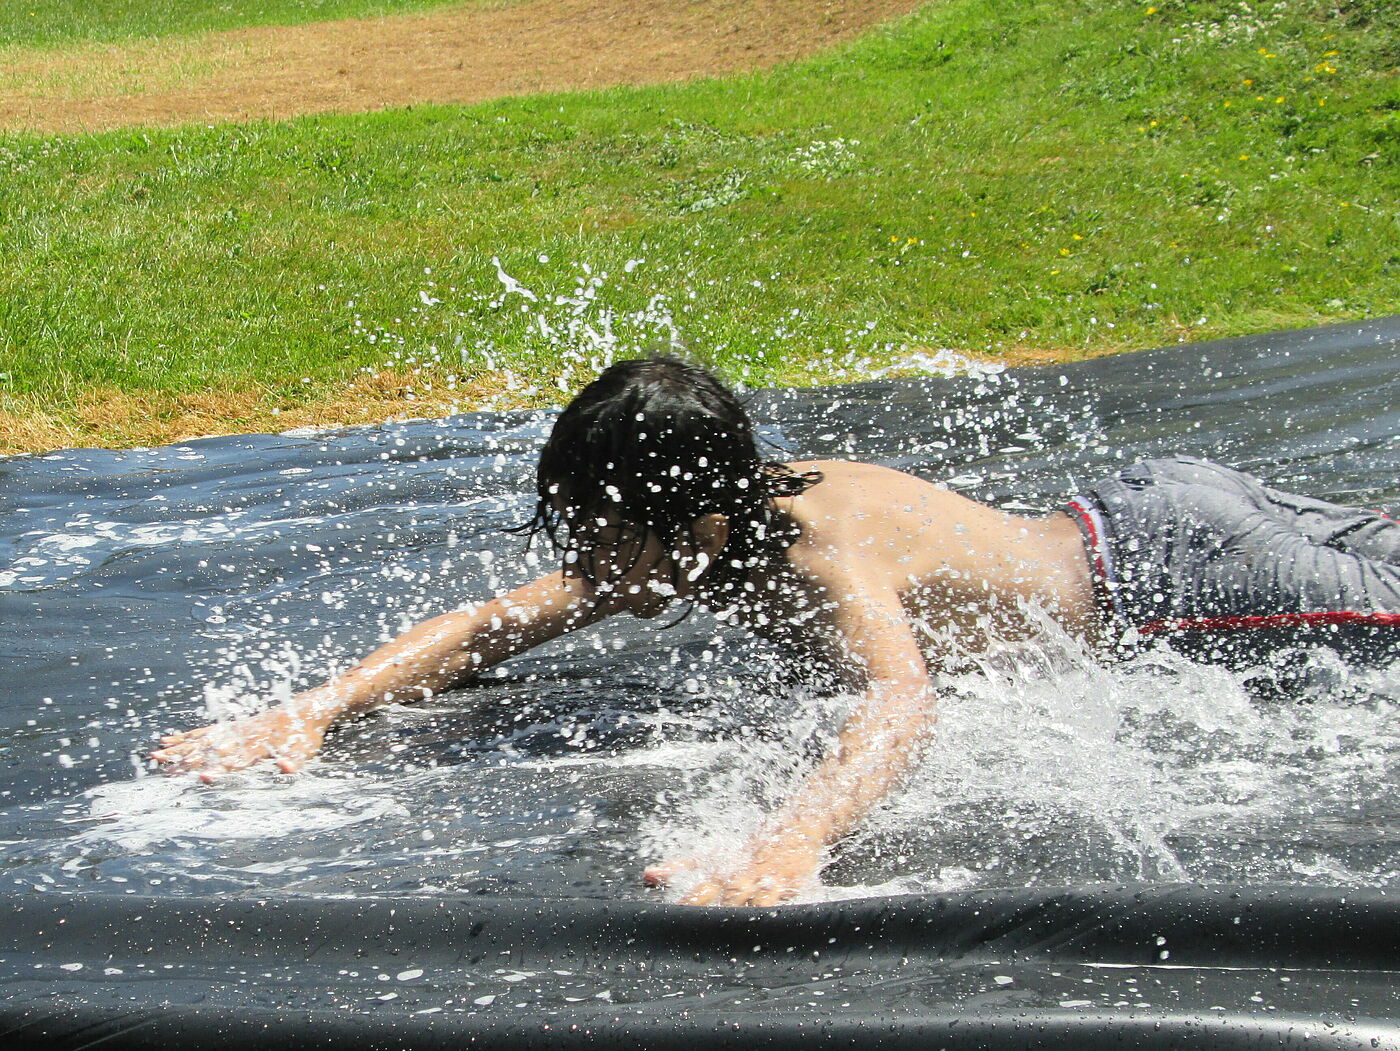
[[1214, 561]]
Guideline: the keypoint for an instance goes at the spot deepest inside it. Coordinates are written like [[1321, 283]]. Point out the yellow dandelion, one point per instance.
[[1054, 271], [1279, 99], [1244, 156], [1331, 54], [1151, 10], [1064, 251], [1077, 237]]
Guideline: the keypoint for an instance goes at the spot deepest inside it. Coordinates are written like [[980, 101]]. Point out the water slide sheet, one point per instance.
[[1151, 854]]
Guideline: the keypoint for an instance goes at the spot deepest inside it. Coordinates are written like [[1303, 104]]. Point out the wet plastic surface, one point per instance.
[[1204, 869], [1101, 967]]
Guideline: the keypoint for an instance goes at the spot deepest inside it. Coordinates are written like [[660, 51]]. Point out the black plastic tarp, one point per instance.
[[1097, 967], [1150, 855]]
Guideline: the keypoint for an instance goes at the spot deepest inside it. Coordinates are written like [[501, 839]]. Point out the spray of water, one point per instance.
[[1051, 768], [449, 339]]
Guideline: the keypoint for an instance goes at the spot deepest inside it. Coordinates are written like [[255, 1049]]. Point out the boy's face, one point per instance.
[[626, 564]]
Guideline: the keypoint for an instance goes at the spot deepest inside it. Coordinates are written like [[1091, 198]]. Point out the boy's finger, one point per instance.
[[662, 874], [176, 736], [705, 894], [218, 765], [742, 894], [768, 896]]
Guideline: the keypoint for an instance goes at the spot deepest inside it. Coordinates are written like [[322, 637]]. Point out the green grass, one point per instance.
[[55, 23], [1080, 175]]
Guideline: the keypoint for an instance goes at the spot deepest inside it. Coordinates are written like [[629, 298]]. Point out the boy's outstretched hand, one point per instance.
[[772, 875], [286, 736]]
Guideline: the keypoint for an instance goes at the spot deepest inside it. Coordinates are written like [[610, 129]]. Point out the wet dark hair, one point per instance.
[[662, 442]]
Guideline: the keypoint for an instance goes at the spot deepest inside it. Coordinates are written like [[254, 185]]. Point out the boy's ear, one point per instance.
[[712, 533]]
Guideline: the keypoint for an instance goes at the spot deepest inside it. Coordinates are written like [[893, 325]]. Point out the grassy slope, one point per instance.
[[1083, 175], [54, 23]]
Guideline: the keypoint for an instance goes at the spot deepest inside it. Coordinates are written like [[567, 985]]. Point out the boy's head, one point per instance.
[[660, 448]]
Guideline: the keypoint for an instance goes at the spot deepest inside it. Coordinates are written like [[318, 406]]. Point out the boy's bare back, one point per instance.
[[953, 563]]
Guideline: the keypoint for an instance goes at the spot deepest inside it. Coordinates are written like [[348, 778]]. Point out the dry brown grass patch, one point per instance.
[[458, 55], [119, 419], [115, 419]]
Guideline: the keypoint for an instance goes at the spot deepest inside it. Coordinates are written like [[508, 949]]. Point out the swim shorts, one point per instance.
[[1224, 567]]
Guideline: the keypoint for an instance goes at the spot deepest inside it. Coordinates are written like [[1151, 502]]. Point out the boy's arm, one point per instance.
[[875, 748], [430, 657]]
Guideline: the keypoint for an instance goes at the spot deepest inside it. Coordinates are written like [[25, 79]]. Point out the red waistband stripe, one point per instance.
[[1100, 560]]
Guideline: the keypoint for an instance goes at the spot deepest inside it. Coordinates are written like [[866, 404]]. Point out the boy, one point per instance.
[[652, 490]]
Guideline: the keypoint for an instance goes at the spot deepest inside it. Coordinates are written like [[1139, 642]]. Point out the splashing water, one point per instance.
[[576, 326], [1049, 768]]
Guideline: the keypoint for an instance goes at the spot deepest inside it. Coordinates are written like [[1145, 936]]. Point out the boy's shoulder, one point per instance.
[[854, 472], [865, 504], [858, 486]]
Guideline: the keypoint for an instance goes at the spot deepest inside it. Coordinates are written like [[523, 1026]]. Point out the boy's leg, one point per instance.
[[1370, 534], [1204, 552]]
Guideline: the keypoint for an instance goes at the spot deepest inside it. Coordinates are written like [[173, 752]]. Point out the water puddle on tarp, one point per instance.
[[153, 589]]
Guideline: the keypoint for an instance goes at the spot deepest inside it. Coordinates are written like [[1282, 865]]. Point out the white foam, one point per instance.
[[141, 814]]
